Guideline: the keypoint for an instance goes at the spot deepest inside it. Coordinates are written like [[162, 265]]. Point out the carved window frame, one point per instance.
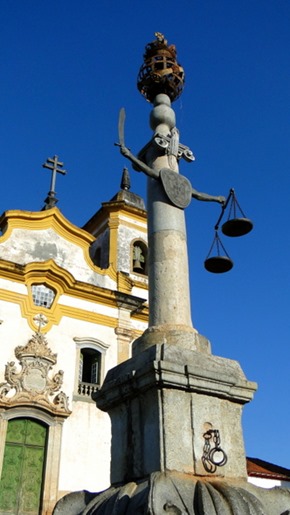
[[38, 293], [101, 348], [35, 281]]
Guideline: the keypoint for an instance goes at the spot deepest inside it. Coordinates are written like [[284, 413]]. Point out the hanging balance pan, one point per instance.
[[218, 264], [237, 227]]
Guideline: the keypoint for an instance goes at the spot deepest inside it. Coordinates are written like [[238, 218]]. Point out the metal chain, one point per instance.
[[213, 457]]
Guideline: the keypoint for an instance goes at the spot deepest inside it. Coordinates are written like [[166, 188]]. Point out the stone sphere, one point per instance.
[[162, 98], [162, 113]]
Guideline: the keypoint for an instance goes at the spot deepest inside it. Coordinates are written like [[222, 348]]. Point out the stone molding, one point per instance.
[[167, 366], [52, 466]]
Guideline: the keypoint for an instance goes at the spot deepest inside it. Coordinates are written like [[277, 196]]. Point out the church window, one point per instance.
[[42, 295], [89, 366], [89, 371], [139, 257]]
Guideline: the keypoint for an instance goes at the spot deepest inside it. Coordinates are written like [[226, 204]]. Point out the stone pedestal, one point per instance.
[[163, 401]]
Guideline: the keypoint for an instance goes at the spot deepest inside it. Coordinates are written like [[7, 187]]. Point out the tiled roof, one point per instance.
[[260, 468]]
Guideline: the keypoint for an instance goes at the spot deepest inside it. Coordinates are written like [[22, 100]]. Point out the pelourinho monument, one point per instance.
[[175, 408]]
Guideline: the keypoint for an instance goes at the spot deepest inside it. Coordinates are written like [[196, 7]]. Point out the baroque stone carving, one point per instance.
[[32, 383]]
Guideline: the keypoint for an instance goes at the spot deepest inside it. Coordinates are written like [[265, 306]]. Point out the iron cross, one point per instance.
[[55, 166]]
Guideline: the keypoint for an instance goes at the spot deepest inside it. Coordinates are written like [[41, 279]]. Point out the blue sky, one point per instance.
[[66, 69]]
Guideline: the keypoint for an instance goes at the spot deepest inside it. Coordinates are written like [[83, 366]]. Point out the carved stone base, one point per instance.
[[178, 494]]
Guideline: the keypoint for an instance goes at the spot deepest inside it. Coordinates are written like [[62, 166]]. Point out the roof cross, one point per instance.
[[55, 166]]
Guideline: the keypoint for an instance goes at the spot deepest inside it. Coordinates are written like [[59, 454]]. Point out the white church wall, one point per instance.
[[85, 452], [125, 236], [33, 246], [268, 483], [14, 331]]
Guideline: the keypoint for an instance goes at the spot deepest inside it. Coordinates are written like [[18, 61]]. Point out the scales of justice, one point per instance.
[[177, 443]]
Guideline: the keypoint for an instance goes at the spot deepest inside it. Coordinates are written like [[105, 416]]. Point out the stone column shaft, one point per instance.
[[169, 298]]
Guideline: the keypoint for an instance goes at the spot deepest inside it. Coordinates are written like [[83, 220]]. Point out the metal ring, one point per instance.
[[208, 465], [161, 142], [218, 463], [188, 155]]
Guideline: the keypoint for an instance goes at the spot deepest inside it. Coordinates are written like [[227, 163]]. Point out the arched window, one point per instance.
[[139, 257]]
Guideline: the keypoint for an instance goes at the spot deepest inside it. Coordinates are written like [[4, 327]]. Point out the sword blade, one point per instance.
[[122, 116]]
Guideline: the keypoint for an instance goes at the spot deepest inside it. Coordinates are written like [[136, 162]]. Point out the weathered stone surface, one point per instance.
[[176, 494], [166, 364], [174, 334], [74, 503], [161, 403]]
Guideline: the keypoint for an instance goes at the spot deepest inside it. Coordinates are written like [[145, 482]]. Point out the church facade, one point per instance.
[[72, 300]]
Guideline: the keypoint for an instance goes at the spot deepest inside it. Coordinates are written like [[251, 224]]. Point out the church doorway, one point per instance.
[[23, 467]]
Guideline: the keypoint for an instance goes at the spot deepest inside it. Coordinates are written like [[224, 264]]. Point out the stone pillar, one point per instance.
[[169, 299], [164, 400], [51, 479], [169, 292]]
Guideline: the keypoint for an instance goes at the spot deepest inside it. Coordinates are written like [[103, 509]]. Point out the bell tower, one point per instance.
[[120, 229]]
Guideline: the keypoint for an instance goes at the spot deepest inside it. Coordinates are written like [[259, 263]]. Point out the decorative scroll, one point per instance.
[[32, 383]]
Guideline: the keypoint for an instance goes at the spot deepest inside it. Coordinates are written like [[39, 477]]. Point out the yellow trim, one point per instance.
[[140, 284], [54, 314], [112, 218], [110, 206], [58, 278], [49, 219], [63, 283], [61, 280], [141, 316], [124, 283], [52, 219]]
